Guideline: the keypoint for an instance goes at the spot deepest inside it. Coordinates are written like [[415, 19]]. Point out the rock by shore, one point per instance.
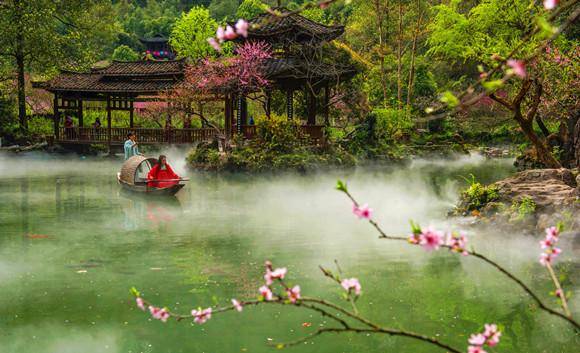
[[536, 198]]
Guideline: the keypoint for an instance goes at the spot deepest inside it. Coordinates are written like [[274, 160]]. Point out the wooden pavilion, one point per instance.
[[297, 65]]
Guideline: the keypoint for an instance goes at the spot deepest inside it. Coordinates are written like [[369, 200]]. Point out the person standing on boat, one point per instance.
[[161, 175], [131, 148]]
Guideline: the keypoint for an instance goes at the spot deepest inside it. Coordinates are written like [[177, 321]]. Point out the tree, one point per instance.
[[125, 53], [487, 33], [41, 36], [190, 33], [250, 9]]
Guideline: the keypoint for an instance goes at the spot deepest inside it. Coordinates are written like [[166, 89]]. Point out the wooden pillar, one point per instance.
[[326, 105], [56, 117], [290, 104], [310, 93], [228, 115], [131, 123], [80, 112], [239, 114], [109, 131]]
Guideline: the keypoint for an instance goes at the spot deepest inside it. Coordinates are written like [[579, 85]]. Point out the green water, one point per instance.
[[71, 246]]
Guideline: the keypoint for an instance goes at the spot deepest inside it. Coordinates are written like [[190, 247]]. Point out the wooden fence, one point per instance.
[[91, 135]]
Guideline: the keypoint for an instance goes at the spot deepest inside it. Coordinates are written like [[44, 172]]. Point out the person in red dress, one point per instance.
[[161, 175]]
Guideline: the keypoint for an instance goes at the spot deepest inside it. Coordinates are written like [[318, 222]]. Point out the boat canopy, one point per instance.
[[135, 169]]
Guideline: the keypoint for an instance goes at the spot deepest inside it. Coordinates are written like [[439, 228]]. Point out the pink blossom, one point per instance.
[[220, 34], [552, 233], [363, 211], [558, 293], [414, 238], [230, 33], [492, 334], [475, 349], [266, 293], [278, 273], [237, 305], [550, 4], [546, 243], [351, 283], [518, 67], [159, 313], [214, 44], [140, 303], [545, 259], [477, 339], [457, 243], [551, 251], [293, 293], [201, 316], [431, 239], [242, 27]]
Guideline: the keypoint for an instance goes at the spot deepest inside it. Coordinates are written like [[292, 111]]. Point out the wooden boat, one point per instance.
[[133, 177]]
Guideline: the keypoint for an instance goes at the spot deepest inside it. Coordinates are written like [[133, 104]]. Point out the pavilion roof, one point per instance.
[[132, 78], [288, 69], [289, 26], [143, 68]]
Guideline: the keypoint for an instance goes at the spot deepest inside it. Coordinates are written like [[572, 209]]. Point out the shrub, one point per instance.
[[478, 195]]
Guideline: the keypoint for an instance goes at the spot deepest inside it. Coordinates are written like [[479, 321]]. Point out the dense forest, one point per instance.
[[411, 56]]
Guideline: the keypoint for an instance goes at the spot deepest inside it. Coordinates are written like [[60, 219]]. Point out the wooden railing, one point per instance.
[[91, 135], [315, 132], [85, 135]]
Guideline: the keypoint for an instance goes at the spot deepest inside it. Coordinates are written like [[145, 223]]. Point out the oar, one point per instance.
[[180, 179]]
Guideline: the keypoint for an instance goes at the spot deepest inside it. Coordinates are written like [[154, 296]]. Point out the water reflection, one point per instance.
[[69, 290], [154, 213]]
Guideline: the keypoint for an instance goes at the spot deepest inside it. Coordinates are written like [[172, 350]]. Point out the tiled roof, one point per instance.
[[143, 68], [96, 83], [138, 77], [288, 24]]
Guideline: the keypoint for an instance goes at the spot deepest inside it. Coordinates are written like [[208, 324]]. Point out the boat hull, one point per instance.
[[143, 189]]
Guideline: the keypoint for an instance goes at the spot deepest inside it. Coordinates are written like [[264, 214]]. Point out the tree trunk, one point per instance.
[[527, 122], [544, 154], [577, 144], [382, 40], [20, 70], [400, 58], [411, 82]]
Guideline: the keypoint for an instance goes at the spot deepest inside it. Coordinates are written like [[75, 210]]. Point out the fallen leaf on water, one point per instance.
[[306, 324], [36, 236]]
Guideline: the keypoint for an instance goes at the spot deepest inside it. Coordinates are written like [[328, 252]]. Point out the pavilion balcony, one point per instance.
[[146, 136]]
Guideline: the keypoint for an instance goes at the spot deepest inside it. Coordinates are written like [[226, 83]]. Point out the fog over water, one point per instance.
[[72, 244]]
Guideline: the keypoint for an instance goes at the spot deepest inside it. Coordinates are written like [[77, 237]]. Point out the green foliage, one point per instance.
[[125, 53], [190, 33], [315, 14], [341, 186], [526, 206], [488, 28], [277, 146], [478, 195], [250, 8], [378, 134], [223, 10]]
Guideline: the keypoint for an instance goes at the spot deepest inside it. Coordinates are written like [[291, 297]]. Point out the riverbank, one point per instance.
[[533, 199]]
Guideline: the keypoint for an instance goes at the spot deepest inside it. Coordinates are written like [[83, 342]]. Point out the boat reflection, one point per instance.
[[155, 213]]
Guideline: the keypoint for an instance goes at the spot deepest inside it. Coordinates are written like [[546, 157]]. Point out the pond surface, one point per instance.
[[72, 244]]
